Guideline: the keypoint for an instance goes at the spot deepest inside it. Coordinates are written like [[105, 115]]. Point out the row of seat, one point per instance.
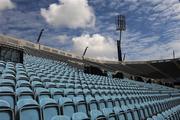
[[170, 114], [9, 95], [28, 109]]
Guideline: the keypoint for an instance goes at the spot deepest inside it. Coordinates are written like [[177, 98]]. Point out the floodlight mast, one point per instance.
[[120, 26], [85, 50], [174, 54], [39, 37]]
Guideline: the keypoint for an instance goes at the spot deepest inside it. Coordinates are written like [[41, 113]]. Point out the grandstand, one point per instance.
[[44, 83]]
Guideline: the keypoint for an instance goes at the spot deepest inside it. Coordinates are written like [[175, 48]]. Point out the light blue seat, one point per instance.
[[109, 101], [109, 113], [24, 93], [135, 111], [92, 103], [161, 117], [78, 86], [61, 85], [21, 72], [116, 101], [42, 93], [7, 83], [6, 112], [9, 71], [69, 93], [87, 92], [67, 106], [7, 94], [42, 75], [141, 111], [54, 80], [56, 93], [79, 116], [79, 92], [34, 77], [149, 119], [45, 79], [28, 109], [23, 83], [101, 102], [129, 114], [120, 114], [80, 105], [61, 117], [8, 76], [49, 108], [49, 85], [146, 110], [97, 115], [31, 73], [22, 77], [37, 84]]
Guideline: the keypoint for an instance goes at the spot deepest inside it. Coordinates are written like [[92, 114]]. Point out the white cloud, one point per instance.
[[6, 4], [70, 13], [62, 38], [99, 47]]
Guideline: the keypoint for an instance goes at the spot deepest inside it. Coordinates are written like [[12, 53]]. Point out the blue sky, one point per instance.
[[153, 26]]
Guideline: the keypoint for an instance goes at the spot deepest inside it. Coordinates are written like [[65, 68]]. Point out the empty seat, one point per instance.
[[24, 93], [9, 71], [49, 85], [49, 108], [56, 93], [80, 105], [92, 103], [7, 83], [69, 93], [23, 83], [8, 76], [28, 109], [45, 79], [61, 117], [79, 116], [141, 111], [109, 113], [101, 102], [129, 114], [109, 102], [42, 93], [120, 114], [34, 77], [67, 106], [60, 85], [37, 84], [21, 77], [135, 112], [6, 112], [97, 115], [7, 94], [79, 93]]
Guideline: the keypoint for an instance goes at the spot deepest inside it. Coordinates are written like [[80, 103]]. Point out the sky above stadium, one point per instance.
[[153, 26]]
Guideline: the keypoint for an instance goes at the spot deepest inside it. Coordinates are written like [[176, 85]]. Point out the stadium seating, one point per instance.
[[46, 89]]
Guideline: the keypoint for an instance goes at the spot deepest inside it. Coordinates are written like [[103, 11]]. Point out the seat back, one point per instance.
[[6, 113], [49, 108], [28, 109]]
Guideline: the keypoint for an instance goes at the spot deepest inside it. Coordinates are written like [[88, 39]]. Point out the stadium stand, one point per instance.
[[46, 87]]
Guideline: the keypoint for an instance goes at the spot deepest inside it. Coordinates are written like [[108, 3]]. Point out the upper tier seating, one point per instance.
[[45, 89]]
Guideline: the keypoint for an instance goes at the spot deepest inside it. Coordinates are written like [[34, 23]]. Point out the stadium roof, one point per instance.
[[168, 69]]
